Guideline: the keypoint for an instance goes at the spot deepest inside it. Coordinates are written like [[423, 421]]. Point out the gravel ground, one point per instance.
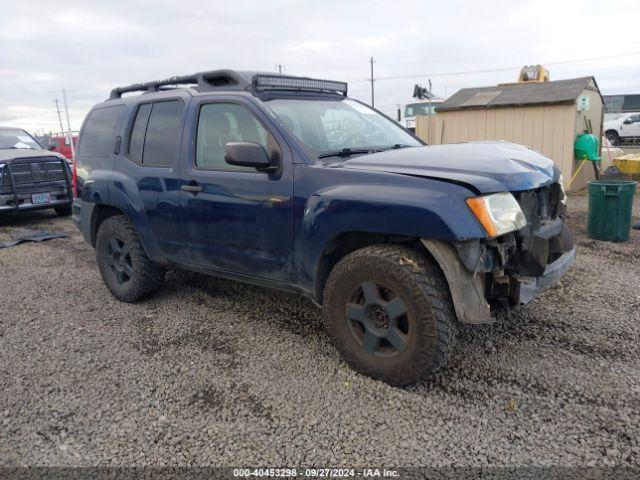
[[212, 372]]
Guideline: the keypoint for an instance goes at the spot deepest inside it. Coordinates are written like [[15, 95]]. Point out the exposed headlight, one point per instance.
[[498, 213]]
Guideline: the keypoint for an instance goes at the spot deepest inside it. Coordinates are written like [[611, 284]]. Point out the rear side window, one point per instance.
[[155, 133], [136, 143], [99, 132]]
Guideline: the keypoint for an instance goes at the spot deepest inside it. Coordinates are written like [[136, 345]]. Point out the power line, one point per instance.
[[492, 70]]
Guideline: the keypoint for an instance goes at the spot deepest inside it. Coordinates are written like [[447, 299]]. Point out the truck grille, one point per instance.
[[545, 236], [541, 204], [34, 170]]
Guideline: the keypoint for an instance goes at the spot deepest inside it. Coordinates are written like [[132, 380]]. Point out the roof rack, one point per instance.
[[211, 80], [234, 80]]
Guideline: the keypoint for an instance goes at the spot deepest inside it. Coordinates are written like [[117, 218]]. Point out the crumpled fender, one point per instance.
[[467, 292], [417, 208]]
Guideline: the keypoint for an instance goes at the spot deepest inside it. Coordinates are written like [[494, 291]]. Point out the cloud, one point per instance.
[[90, 47]]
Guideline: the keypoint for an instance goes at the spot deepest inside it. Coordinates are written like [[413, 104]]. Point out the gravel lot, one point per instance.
[[211, 372]]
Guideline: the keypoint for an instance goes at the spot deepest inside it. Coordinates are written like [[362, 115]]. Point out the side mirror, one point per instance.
[[51, 148], [247, 154], [627, 122]]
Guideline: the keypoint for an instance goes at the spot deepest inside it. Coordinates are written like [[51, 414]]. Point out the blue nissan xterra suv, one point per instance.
[[286, 182]]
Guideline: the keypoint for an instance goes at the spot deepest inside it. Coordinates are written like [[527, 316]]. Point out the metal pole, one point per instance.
[[372, 93], [429, 117], [59, 115], [70, 136]]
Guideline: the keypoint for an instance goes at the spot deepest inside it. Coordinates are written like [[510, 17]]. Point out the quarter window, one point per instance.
[[99, 132], [221, 123]]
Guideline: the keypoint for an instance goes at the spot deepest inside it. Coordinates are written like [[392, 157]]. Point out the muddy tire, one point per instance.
[[125, 268], [388, 311]]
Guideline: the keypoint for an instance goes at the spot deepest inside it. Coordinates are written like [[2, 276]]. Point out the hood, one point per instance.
[[486, 167], [8, 154]]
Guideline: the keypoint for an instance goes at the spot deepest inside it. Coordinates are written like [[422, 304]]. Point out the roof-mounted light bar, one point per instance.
[[283, 82]]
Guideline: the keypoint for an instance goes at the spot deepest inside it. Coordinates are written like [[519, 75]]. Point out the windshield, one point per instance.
[[330, 125], [413, 109], [16, 138]]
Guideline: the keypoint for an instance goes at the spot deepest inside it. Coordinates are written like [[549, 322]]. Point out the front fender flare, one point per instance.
[[467, 292]]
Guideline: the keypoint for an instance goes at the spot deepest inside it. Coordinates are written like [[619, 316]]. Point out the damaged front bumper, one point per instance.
[[470, 290], [530, 286]]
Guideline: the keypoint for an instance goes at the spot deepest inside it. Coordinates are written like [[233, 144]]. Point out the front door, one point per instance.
[[237, 219], [632, 129]]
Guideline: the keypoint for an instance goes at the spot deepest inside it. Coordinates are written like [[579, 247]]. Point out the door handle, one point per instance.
[[191, 188]]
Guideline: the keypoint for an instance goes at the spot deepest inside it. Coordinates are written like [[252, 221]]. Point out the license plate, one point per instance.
[[40, 198]]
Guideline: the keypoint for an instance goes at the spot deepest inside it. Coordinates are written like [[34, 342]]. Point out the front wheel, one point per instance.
[[389, 313], [125, 268], [613, 137]]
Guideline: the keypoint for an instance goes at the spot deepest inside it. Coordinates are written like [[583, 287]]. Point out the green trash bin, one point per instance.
[[610, 204]]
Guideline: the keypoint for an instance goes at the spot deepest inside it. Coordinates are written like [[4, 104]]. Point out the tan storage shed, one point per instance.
[[545, 116]]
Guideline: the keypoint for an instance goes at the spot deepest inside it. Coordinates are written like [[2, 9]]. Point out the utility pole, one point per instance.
[[59, 115], [372, 94], [70, 136], [280, 68], [430, 114]]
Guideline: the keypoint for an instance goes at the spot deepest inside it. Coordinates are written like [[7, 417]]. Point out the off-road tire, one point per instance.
[[420, 283], [146, 278], [63, 210]]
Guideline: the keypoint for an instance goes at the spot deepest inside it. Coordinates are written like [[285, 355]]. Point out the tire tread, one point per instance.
[[428, 287]]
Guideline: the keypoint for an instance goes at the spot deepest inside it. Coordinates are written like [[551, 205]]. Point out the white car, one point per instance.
[[623, 128]]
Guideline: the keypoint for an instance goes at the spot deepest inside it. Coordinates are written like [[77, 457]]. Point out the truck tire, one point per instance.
[[389, 312], [613, 137], [63, 210], [125, 268]]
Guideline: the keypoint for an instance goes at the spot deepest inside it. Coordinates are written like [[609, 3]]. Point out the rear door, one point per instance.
[[150, 168], [237, 219]]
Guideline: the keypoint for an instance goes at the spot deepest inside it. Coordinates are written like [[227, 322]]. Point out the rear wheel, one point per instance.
[[389, 313], [63, 210], [125, 268]]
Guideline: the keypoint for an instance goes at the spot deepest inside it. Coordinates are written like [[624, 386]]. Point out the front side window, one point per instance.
[[334, 124], [99, 132], [221, 123]]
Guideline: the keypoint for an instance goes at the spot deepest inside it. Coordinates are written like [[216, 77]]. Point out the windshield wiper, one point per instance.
[[345, 152], [20, 148], [392, 147]]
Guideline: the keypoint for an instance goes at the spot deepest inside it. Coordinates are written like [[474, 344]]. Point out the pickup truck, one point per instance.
[[624, 128], [286, 182], [31, 177]]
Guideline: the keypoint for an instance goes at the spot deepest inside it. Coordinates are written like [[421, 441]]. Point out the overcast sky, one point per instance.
[[90, 47]]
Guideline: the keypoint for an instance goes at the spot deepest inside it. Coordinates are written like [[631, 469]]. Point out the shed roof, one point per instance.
[[557, 92]]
